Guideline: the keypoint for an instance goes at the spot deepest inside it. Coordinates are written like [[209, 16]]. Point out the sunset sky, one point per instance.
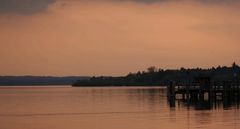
[[114, 37]]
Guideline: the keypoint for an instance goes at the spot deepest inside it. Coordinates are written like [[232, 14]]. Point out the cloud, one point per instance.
[[24, 7], [29, 7], [206, 1], [200, 1], [147, 2]]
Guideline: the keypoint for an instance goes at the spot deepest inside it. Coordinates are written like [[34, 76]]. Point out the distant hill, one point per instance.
[[39, 80]]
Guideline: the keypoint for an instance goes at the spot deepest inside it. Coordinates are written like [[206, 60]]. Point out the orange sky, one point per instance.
[[114, 37]]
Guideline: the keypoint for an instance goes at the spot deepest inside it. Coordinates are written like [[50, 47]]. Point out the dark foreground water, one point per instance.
[[109, 108]]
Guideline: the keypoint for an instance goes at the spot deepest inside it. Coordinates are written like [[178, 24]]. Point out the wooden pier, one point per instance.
[[204, 89]]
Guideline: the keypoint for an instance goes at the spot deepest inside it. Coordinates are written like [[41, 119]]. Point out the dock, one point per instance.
[[203, 89]]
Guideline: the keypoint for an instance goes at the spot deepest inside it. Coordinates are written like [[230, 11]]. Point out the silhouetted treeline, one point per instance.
[[38, 80], [159, 77]]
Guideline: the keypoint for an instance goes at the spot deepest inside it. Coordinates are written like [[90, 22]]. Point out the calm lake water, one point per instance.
[[109, 108]]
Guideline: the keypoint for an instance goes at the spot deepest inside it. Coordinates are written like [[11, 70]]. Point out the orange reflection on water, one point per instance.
[[109, 108]]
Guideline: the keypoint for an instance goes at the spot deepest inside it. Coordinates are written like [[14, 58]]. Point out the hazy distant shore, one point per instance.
[[38, 80]]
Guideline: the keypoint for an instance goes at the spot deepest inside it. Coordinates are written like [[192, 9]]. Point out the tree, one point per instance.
[[234, 65], [152, 69]]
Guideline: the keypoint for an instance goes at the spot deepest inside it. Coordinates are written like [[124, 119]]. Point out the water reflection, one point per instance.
[[112, 108], [210, 104], [152, 96]]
